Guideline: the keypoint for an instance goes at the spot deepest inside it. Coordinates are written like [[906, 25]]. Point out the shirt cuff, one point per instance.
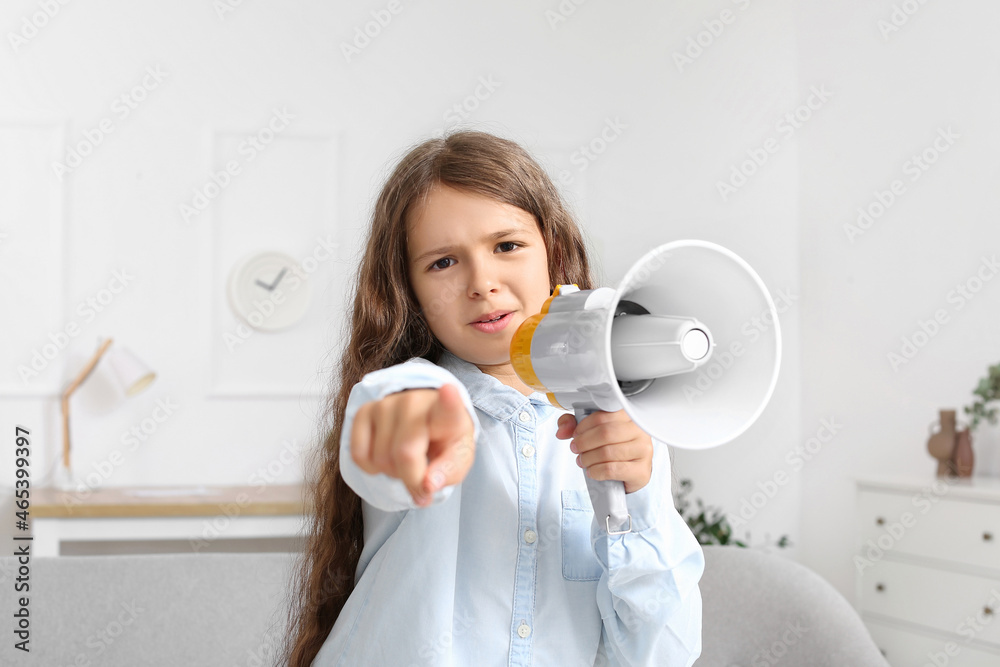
[[645, 506], [379, 490]]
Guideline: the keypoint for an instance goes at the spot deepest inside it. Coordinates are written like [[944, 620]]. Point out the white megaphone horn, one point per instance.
[[686, 306]]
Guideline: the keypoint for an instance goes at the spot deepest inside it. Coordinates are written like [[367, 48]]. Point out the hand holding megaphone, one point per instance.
[[610, 446], [672, 347]]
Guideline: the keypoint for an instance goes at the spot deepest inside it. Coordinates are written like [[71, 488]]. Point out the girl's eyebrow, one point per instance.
[[489, 237]]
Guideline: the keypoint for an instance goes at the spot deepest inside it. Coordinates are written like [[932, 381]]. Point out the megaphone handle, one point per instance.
[[607, 495]]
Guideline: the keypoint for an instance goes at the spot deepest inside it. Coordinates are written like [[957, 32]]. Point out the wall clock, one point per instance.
[[268, 292]]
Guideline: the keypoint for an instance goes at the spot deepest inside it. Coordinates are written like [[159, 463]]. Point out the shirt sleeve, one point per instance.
[[379, 490], [648, 595]]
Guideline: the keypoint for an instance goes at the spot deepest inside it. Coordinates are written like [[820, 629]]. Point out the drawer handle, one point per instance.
[[879, 521], [987, 611], [880, 587], [987, 537]]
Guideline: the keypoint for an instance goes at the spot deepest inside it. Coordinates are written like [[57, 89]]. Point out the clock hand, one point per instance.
[[278, 279], [271, 287]]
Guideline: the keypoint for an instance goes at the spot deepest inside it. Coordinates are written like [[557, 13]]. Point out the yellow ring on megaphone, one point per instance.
[[553, 401], [520, 349]]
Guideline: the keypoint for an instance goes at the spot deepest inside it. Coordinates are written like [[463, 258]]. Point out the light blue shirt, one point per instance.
[[509, 566]]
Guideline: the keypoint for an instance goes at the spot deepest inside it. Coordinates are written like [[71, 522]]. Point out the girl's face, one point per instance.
[[470, 256]]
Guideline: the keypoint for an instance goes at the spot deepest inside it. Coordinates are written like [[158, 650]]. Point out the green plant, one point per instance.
[[987, 390], [710, 526]]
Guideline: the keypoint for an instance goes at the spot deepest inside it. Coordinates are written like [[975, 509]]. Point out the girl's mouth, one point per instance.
[[493, 326]]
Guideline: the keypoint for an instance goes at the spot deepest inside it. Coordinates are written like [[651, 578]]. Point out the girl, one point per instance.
[[450, 526]]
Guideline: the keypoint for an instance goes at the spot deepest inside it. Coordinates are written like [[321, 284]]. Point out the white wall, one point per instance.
[[894, 90], [554, 85]]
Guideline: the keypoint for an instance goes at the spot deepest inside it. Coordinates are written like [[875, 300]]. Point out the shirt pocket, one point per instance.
[[578, 558]]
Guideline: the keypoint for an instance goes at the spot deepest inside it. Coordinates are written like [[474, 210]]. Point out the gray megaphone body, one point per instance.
[[688, 345]]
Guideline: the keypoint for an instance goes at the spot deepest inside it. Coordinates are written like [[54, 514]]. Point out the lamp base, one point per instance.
[[64, 479]]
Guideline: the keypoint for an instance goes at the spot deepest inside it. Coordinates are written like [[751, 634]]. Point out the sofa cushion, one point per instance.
[[761, 609], [163, 609]]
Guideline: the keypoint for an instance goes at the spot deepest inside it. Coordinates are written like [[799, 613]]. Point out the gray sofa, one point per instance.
[[228, 609]]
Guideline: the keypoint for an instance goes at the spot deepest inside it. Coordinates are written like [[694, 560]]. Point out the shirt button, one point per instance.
[[524, 416], [530, 536], [528, 451], [523, 630]]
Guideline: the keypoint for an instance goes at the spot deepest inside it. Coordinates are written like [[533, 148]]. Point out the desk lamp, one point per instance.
[[132, 376]]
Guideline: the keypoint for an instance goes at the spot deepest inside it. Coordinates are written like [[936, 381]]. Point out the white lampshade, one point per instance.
[[132, 374]]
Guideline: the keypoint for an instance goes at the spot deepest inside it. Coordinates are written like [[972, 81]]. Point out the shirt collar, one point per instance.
[[488, 393]]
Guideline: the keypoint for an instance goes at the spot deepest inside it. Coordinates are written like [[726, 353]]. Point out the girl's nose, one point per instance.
[[483, 278]]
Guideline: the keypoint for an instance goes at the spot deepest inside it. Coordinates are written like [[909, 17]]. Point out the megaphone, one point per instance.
[[688, 345]]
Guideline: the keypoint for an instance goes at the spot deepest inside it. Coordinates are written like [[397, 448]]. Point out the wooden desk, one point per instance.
[[202, 515]]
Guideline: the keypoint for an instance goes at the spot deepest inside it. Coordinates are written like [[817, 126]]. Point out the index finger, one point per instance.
[[450, 464], [410, 454], [451, 440]]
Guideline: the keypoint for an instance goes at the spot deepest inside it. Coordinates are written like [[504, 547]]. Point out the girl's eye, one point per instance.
[[436, 265]]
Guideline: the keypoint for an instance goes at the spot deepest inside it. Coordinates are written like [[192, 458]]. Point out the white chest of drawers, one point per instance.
[[928, 569]]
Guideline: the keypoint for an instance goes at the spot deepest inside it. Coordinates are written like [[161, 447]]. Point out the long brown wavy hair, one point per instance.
[[387, 327]]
